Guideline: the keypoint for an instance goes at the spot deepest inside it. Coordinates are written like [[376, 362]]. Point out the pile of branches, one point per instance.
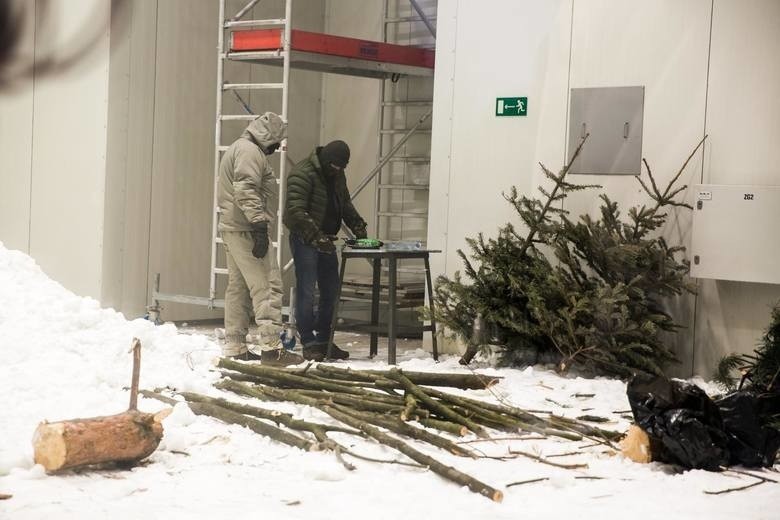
[[386, 406], [587, 293]]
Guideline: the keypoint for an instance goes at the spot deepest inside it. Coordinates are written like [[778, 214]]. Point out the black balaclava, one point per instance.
[[334, 153], [271, 148]]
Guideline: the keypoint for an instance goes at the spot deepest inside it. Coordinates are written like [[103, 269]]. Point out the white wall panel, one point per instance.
[[477, 156], [486, 154], [662, 46], [743, 122], [69, 151]]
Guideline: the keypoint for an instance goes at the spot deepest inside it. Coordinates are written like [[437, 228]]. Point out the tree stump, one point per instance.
[[126, 437]]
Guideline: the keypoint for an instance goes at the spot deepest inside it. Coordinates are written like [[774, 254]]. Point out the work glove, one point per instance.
[[325, 245], [360, 232], [260, 237]]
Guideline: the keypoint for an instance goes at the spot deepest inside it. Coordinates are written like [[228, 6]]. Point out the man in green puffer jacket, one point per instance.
[[317, 202], [248, 199]]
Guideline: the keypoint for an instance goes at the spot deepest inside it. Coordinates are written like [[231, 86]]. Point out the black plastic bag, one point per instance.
[[681, 420], [751, 441]]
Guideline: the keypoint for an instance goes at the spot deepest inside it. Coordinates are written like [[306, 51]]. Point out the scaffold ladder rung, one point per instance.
[[239, 117], [253, 86]]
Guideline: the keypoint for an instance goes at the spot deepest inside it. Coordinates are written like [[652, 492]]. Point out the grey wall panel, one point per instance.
[[136, 292], [69, 152], [182, 163], [16, 121], [128, 172], [116, 162]]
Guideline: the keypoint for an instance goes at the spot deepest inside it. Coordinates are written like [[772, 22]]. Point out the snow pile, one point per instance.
[[62, 356]]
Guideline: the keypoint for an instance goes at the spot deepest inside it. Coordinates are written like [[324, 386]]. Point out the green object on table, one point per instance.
[[364, 243]]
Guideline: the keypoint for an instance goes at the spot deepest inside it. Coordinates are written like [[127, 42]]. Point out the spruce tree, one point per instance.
[[597, 305]]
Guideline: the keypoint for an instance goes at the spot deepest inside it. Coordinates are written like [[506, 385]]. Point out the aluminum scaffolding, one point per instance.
[[287, 57]]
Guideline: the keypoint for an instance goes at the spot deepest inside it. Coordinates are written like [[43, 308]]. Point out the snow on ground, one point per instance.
[[63, 357]]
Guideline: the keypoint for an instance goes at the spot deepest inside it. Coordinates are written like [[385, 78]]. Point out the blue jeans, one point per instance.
[[313, 267]]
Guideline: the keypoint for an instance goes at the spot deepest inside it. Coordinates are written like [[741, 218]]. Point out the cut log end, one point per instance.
[[636, 445], [50, 448], [126, 437], [497, 496]]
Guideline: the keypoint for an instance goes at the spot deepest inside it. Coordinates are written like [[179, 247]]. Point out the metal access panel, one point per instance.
[[735, 233], [613, 118]]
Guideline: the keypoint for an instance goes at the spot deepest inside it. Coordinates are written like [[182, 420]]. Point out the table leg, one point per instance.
[[335, 318], [391, 311], [430, 306], [377, 263]]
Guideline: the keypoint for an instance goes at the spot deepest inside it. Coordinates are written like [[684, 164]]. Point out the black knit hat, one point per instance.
[[335, 152]]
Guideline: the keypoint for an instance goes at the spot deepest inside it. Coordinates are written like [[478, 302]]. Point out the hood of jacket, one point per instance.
[[266, 130]]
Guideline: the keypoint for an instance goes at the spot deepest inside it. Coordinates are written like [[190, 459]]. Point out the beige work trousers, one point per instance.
[[254, 290]]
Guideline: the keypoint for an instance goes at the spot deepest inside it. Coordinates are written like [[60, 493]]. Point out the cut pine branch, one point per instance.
[[388, 422], [435, 406], [271, 415], [229, 416], [437, 467], [388, 440]]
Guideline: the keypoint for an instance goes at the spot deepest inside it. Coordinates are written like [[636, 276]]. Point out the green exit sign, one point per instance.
[[512, 106]]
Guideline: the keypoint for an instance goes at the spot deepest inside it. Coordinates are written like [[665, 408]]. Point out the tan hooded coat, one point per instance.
[[248, 190]]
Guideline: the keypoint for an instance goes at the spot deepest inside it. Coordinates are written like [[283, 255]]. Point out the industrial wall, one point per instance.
[[707, 68], [106, 169], [53, 147], [164, 82]]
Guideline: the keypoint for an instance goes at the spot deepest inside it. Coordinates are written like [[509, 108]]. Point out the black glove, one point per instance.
[[260, 236], [360, 232], [325, 245]]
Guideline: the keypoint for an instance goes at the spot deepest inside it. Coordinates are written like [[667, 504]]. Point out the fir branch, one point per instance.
[[558, 179]]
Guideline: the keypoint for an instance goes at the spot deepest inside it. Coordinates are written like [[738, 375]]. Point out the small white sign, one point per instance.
[[704, 195]]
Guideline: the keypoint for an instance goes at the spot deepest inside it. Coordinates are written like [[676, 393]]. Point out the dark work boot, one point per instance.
[[280, 357], [314, 351], [336, 352], [246, 356]]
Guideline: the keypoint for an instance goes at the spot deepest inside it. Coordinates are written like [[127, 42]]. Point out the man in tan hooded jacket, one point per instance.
[[248, 198]]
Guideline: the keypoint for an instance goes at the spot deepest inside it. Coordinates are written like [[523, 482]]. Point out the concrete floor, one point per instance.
[[356, 344]]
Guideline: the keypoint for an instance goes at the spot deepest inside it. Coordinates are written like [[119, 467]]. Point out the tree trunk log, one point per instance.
[[445, 426], [435, 406], [125, 437], [471, 351], [463, 381]]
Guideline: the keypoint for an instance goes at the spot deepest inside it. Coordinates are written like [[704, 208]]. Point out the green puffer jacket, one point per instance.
[[248, 191], [307, 200]]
